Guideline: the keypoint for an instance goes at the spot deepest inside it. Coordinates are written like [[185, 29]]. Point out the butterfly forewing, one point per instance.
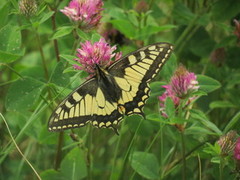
[[91, 103]]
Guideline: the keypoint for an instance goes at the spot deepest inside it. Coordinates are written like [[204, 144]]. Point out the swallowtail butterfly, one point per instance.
[[121, 89]]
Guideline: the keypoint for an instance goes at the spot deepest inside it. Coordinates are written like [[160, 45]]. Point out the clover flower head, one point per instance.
[[217, 56], [237, 150], [183, 82], [141, 6], [181, 85], [99, 53], [28, 7], [227, 142], [87, 13]]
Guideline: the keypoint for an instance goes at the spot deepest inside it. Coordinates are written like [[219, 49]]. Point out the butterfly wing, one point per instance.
[[135, 71], [86, 104]]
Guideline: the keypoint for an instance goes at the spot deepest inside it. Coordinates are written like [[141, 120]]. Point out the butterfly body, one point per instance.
[[108, 85], [121, 89]]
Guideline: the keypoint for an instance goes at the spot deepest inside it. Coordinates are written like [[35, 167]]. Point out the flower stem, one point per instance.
[[184, 35], [13, 70], [54, 27], [161, 150], [59, 150], [169, 168], [200, 167], [42, 55], [183, 156], [89, 150], [76, 42], [189, 36], [116, 151], [221, 169], [128, 151]]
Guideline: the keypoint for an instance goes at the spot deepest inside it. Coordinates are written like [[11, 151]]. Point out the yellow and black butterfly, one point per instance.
[[121, 89]]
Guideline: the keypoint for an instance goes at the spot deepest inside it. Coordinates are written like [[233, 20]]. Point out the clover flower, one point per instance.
[[237, 150], [87, 13], [99, 53], [27, 7], [183, 82], [227, 143], [181, 85], [217, 56], [141, 6]]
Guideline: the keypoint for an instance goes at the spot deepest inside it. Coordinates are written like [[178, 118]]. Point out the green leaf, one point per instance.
[[20, 119], [156, 86], [216, 160], [95, 37], [35, 72], [23, 94], [51, 174], [169, 68], [204, 20], [9, 57], [117, 13], [133, 17], [83, 35], [150, 30], [62, 31], [199, 93], [46, 17], [137, 125], [221, 104], [145, 164], [177, 120], [58, 77], [10, 46], [124, 27], [69, 58], [232, 59], [198, 130], [73, 165], [69, 70], [156, 117], [46, 137], [214, 150], [182, 14], [199, 115], [4, 10], [201, 43], [229, 8], [170, 107], [156, 90], [234, 123], [233, 81], [207, 84]]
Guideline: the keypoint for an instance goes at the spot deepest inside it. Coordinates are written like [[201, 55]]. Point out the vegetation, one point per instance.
[[195, 139]]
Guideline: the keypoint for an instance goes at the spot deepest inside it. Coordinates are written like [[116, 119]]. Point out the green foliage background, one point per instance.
[[31, 85]]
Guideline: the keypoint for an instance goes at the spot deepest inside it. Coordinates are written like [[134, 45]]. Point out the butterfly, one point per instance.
[[118, 90]]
